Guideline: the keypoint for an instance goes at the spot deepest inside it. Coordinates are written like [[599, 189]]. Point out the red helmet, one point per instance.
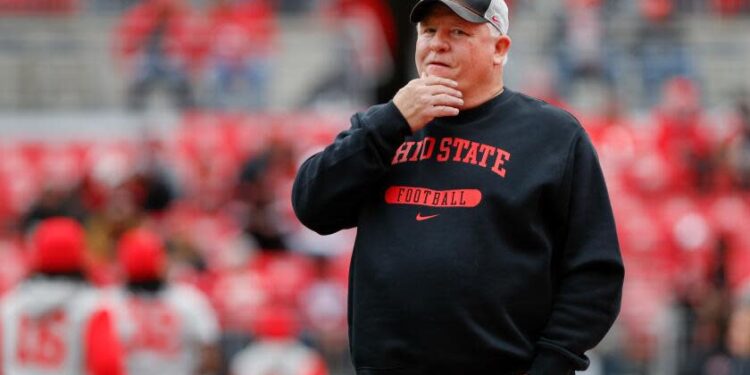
[[276, 322], [58, 246], [141, 255]]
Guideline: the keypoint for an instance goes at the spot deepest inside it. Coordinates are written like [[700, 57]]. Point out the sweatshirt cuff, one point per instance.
[[548, 362], [389, 123]]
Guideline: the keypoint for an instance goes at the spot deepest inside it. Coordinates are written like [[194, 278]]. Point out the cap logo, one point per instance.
[[495, 19]]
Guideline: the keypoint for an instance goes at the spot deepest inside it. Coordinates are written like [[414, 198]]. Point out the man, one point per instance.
[[486, 242], [165, 328], [54, 322]]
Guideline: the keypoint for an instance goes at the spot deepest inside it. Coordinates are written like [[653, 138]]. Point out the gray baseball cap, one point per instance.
[[478, 11]]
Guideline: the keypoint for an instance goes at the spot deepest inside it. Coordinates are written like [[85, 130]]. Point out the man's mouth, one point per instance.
[[437, 63]]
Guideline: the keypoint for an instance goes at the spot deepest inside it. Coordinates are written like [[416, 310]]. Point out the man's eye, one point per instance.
[[458, 32], [428, 30]]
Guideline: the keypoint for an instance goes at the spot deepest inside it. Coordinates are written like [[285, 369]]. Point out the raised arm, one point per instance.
[[331, 186]]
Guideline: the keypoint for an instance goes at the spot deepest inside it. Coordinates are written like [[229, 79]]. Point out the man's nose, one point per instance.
[[439, 42]]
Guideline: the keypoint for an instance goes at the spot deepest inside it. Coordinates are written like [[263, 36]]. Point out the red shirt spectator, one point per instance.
[[179, 40], [242, 41], [238, 30], [681, 136], [159, 42]]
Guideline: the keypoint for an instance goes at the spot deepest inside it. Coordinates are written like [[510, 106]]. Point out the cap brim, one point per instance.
[[420, 10]]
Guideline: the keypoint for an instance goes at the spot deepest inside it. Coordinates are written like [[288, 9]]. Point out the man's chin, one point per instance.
[[439, 71]]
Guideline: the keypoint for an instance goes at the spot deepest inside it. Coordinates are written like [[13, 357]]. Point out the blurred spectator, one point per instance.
[[542, 85], [54, 320], [166, 328], [7, 211], [660, 47], [614, 137], [738, 339], [238, 294], [276, 350], [152, 183], [323, 308], [730, 7], [55, 200], [363, 51], [707, 310], [738, 147], [674, 307], [579, 41], [119, 214], [157, 45], [261, 179], [243, 38], [57, 171], [243, 291], [681, 138], [13, 263]]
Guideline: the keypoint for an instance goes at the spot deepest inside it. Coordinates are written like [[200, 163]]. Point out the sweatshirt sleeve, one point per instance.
[[590, 270], [331, 186]]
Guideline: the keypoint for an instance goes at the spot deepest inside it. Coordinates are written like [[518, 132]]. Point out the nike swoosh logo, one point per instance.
[[423, 218]]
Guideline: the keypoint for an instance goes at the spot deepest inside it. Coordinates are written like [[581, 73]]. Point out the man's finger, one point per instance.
[[439, 89], [443, 111], [445, 99]]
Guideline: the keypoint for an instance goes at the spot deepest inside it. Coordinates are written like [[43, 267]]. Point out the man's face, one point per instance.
[[450, 47]]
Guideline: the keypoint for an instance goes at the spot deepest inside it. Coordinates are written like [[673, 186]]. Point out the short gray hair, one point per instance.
[[494, 31]]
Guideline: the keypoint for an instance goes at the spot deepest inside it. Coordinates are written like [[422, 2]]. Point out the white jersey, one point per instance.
[[163, 333], [44, 323], [278, 357]]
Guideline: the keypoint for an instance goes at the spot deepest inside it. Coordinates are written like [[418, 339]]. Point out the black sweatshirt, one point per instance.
[[485, 242]]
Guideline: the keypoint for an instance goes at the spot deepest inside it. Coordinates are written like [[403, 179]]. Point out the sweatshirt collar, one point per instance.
[[468, 116]]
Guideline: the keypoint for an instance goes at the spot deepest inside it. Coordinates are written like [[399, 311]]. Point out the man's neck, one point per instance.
[[471, 101]]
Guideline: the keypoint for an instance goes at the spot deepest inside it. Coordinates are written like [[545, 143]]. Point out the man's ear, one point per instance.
[[502, 47]]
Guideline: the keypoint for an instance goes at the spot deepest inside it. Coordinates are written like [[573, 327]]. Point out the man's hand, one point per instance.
[[426, 98]]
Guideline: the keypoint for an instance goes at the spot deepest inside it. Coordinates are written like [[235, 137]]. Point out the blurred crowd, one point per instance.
[[217, 194], [163, 43], [214, 195], [678, 182], [221, 56]]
